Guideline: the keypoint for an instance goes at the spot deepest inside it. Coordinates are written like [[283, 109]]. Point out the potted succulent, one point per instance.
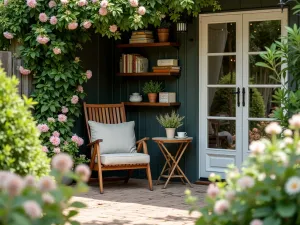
[[163, 31], [151, 89], [170, 122]]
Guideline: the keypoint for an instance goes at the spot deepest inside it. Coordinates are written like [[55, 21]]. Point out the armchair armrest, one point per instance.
[[142, 144], [95, 142], [144, 139]]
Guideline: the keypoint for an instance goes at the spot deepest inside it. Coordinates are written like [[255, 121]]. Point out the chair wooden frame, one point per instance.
[[111, 114]]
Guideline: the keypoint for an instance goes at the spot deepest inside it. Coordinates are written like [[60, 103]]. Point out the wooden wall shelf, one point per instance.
[[148, 74], [143, 45], [156, 104]]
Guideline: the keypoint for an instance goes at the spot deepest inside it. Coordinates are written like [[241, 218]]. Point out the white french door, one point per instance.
[[235, 94]]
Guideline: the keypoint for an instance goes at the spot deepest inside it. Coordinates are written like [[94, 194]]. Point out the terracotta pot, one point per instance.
[[170, 132], [163, 34], [152, 97]]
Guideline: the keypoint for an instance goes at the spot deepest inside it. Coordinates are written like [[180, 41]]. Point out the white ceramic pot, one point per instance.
[[170, 132], [135, 97]]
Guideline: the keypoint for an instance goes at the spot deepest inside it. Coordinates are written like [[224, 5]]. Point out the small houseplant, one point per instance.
[[170, 122], [163, 31], [151, 89]]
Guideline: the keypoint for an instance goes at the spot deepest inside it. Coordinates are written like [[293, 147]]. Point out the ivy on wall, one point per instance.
[[50, 34]]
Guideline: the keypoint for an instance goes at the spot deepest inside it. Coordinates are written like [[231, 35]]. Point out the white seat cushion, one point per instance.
[[124, 158]]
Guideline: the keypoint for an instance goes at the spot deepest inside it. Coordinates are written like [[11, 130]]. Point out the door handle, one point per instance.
[[244, 92], [238, 96]]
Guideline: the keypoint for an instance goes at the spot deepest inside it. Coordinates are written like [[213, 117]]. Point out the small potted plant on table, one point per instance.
[[151, 89], [170, 122], [163, 31]]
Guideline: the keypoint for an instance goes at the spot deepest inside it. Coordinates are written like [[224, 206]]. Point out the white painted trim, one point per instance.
[[242, 12]]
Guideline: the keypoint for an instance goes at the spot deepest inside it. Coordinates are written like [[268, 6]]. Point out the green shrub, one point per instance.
[[152, 87], [20, 147], [170, 121]]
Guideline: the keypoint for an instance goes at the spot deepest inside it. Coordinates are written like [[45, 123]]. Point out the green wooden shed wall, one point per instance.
[[102, 58]]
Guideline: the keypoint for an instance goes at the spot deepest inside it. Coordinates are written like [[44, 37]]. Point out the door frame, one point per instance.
[[203, 78]]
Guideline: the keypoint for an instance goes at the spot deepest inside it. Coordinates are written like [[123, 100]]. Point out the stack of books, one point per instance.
[[133, 63], [166, 66], [142, 36]]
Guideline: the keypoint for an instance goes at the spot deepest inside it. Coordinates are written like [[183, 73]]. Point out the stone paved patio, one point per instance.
[[133, 203]]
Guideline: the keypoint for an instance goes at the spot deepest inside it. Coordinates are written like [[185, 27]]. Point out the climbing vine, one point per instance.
[[51, 33]]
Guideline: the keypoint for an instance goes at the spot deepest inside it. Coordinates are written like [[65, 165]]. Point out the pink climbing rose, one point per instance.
[[78, 140], [56, 51], [88, 74], [134, 3], [64, 2], [142, 10], [43, 17], [56, 150], [56, 134], [64, 110], [87, 24], [52, 4], [104, 3], [113, 28], [45, 149], [55, 140], [103, 11], [74, 99], [72, 26], [31, 3], [8, 35], [24, 71], [62, 118], [82, 3], [80, 88], [42, 39], [53, 20], [43, 128]]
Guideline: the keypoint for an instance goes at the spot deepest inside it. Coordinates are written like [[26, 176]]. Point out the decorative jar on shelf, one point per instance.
[[135, 97]]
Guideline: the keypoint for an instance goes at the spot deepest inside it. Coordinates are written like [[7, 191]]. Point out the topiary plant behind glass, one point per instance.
[[20, 147]]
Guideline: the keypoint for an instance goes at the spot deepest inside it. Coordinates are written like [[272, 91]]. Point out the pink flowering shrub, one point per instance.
[[43, 17], [8, 35], [53, 20], [113, 28], [266, 191], [44, 200], [24, 71], [72, 26]]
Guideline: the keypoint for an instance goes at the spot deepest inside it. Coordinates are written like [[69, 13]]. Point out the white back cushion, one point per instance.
[[117, 138]]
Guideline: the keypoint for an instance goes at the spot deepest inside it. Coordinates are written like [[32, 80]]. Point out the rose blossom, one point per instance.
[[288, 140], [53, 20], [14, 185], [4, 175], [32, 209], [62, 162], [46, 184], [79, 89], [47, 198], [83, 171], [256, 222], [257, 147], [88, 74], [287, 133], [52, 4], [142, 10], [113, 28], [103, 11], [56, 51], [104, 3], [51, 120], [295, 121], [43, 128], [95, 1], [24, 71], [31, 3], [82, 3], [29, 181], [273, 128], [43, 17], [134, 3], [64, 2], [42, 39], [78, 140], [230, 195], [212, 191], [221, 206], [64, 109], [56, 150], [55, 140], [72, 26], [62, 118], [56, 134], [74, 99], [246, 182], [45, 149], [8, 35], [87, 24]]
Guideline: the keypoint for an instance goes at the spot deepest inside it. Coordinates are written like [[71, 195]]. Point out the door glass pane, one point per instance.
[[263, 33], [260, 75], [221, 69], [221, 134], [261, 103], [221, 102], [257, 130], [221, 37]]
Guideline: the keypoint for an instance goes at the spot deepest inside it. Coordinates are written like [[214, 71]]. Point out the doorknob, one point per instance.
[[238, 96], [244, 92]]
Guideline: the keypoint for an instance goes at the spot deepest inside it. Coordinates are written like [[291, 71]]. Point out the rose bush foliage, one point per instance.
[[267, 189], [51, 32], [28, 200]]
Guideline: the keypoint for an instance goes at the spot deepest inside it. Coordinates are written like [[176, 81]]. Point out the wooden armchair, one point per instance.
[[111, 114]]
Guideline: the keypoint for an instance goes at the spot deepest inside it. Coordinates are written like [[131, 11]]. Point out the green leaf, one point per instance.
[[44, 108], [78, 205], [286, 209], [271, 220]]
